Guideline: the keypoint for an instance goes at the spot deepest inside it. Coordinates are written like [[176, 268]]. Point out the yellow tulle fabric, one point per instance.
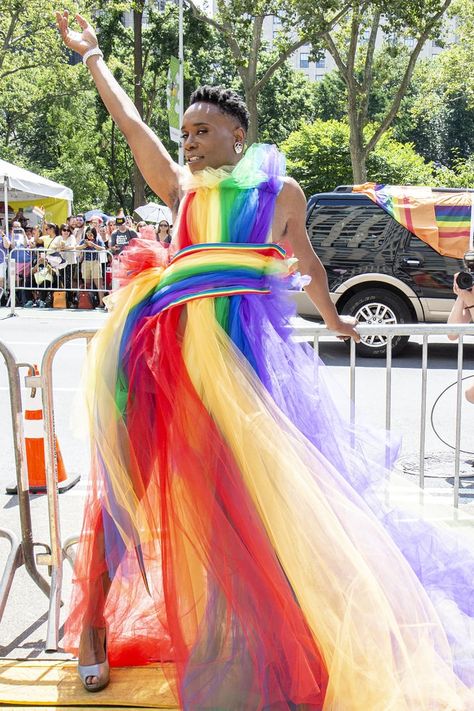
[[382, 642], [381, 639]]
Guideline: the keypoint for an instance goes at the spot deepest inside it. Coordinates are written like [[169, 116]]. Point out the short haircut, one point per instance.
[[227, 101]]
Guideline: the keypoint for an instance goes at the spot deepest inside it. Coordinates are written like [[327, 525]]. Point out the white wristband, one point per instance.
[[91, 53]]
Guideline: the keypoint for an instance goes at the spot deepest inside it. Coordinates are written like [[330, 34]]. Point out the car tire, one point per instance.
[[378, 306]]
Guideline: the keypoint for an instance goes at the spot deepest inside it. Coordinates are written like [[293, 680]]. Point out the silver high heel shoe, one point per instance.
[[101, 670]]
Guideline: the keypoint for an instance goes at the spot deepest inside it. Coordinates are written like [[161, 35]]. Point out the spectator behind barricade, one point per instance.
[[462, 312], [36, 236], [46, 237], [4, 250], [52, 231], [163, 233], [120, 238], [20, 217], [80, 228], [91, 267], [140, 226], [22, 256], [63, 256], [110, 228]]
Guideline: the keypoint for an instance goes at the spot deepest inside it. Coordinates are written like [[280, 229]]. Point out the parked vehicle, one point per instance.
[[378, 271]]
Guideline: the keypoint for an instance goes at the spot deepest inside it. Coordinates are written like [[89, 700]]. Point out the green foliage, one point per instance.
[[352, 44], [283, 111], [397, 163], [318, 156], [330, 97], [319, 159], [461, 175], [28, 38]]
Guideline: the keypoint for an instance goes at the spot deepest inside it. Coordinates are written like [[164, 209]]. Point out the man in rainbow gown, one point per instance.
[[233, 532]]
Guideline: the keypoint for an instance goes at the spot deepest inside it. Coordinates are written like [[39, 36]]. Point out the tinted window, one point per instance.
[[365, 230]]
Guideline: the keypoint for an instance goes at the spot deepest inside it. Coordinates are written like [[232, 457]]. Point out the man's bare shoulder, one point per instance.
[[290, 208], [291, 190]]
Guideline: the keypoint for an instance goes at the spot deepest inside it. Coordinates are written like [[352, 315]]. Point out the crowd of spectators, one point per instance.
[[69, 265]]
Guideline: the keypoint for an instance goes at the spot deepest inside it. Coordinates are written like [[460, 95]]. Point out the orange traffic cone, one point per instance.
[[34, 444]]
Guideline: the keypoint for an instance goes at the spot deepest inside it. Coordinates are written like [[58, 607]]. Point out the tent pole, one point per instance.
[[10, 263], [5, 201]]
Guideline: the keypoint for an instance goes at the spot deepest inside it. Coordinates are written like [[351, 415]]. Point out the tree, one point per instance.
[[352, 44], [240, 24], [319, 158], [28, 38]]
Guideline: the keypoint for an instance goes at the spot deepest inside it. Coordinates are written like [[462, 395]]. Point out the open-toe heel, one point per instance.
[[100, 671]]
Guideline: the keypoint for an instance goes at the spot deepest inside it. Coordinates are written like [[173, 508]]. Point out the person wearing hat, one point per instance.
[[120, 238]]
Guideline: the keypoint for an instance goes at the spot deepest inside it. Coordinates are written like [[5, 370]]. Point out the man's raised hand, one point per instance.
[[80, 42]]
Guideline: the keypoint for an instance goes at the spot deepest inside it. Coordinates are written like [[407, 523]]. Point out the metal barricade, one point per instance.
[[21, 551], [312, 333], [59, 551], [35, 275]]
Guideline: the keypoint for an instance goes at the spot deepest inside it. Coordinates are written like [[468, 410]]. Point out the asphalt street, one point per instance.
[[23, 627]]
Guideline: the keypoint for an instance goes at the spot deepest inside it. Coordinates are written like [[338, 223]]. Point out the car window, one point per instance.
[[365, 229], [431, 259]]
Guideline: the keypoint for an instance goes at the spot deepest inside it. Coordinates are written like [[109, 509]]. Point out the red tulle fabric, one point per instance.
[[221, 608]]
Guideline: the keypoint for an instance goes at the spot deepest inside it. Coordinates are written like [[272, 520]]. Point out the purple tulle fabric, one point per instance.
[[301, 385]]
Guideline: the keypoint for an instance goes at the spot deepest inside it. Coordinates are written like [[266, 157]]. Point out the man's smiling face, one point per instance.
[[209, 136]]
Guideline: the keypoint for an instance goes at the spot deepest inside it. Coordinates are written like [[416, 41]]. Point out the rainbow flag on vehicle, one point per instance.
[[441, 219]]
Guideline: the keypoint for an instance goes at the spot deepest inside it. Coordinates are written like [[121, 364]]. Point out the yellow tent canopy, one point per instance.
[[22, 188]]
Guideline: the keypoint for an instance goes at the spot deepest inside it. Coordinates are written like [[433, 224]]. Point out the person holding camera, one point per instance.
[[462, 312]]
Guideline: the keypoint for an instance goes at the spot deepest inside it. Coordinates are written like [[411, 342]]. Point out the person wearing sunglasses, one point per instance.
[[163, 233]]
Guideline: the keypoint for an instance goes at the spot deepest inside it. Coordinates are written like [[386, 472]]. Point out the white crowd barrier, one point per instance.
[[71, 278], [58, 550]]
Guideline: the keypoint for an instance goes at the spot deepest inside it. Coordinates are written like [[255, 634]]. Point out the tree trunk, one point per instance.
[[356, 141], [138, 182], [251, 101]]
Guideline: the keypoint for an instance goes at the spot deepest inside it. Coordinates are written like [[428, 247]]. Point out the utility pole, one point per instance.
[[181, 78]]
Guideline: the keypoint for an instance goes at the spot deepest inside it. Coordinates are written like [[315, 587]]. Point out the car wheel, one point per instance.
[[378, 306]]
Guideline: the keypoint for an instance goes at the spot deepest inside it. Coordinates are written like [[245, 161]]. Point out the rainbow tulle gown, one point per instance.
[[243, 522]]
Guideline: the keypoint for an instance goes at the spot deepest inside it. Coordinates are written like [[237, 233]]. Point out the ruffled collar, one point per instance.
[[261, 163]]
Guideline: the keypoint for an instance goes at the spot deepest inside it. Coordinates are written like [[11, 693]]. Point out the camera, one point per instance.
[[465, 279]]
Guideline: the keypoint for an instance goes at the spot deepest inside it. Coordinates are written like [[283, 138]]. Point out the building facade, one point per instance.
[[315, 70]]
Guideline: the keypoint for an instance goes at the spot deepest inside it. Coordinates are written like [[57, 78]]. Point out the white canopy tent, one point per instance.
[[20, 185]]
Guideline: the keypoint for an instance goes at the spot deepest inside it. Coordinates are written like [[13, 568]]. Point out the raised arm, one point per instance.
[[160, 171], [292, 204]]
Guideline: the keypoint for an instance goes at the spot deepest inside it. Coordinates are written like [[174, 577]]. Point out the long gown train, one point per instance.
[[243, 521]]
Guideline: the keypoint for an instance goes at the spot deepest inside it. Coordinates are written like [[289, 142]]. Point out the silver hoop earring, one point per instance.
[[238, 147]]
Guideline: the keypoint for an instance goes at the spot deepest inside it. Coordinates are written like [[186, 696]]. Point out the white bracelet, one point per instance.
[[91, 53]]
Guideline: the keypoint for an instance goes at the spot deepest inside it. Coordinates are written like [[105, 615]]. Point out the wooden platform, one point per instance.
[[55, 684]]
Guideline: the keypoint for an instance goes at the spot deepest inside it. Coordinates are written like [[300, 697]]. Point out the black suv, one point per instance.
[[378, 271]]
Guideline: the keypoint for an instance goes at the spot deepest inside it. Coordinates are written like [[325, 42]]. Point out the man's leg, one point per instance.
[[92, 643]]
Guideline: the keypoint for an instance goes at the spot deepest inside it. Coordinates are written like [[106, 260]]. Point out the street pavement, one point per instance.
[[23, 627]]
